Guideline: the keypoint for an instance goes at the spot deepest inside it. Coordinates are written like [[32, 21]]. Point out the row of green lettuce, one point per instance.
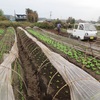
[[80, 57], [6, 42]]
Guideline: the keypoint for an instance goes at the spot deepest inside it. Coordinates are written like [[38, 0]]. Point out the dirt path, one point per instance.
[[31, 79]]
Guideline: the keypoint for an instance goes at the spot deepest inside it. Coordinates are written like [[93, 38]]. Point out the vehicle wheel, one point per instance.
[[70, 36], [79, 38]]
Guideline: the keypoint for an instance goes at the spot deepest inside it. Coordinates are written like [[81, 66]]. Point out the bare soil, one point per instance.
[[65, 34]]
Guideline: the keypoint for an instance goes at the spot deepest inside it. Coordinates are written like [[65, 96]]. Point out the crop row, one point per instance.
[[17, 75], [1, 31], [87, 61], [6, 42]]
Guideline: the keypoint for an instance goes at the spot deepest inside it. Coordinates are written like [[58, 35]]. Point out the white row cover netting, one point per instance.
[[82, 85], [6, 91]]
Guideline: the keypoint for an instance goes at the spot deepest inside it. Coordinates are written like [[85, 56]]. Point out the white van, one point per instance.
[[85, 31]]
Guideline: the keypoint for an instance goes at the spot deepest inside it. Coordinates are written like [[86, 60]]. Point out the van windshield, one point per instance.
[[90, 27]]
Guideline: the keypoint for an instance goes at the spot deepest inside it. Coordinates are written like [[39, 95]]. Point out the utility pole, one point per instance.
[[14, 15], [50, 14]]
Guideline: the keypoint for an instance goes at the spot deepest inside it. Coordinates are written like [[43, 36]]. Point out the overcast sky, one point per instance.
[[62, 9]]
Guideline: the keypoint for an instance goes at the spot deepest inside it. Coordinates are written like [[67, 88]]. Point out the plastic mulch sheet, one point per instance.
[[6, 91]]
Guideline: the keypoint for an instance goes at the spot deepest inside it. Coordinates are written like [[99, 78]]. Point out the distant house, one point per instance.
[[20, 17], [10, 17]]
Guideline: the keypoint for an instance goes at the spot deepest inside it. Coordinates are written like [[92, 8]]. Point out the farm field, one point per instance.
[[48, 64], [83, 60], [49, 50]]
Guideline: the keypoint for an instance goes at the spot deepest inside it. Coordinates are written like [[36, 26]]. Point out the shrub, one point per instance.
[[45, 25], [5, 24]]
